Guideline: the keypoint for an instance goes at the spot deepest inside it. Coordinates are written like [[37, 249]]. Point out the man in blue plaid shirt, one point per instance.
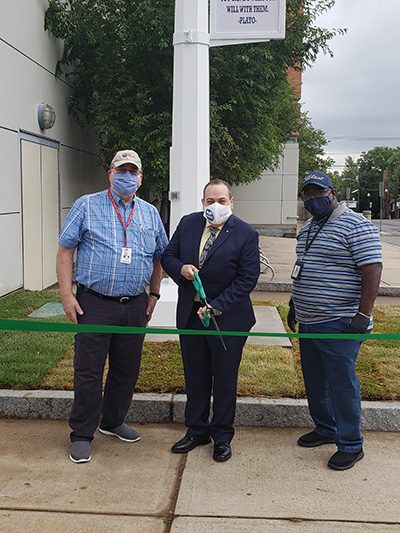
[[119, 239]]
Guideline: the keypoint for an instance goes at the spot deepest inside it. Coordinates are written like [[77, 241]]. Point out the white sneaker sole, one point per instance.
[[111, 434], [86, 460]]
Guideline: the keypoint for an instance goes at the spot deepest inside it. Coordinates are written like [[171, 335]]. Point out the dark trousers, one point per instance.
[[209, 369], [332, 386], [91, 349]]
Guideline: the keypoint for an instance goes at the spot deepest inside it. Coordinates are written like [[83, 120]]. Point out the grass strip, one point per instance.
[[45, 360], [26, 357]]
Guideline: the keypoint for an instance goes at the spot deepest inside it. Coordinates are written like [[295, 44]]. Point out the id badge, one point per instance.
[[126, 256], [298, 266]]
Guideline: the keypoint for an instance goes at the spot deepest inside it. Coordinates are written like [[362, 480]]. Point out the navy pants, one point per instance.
[[332, 386], [91, 349], [209, 369]]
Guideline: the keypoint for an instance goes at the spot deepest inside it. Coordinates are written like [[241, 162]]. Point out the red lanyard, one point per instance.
[[125, 226]]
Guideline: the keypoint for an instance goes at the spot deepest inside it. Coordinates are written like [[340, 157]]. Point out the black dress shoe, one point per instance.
[[312, 439], [345, 460], [189, 443], [222, 452]]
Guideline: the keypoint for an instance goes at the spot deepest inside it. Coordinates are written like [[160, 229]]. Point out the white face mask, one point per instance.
[[217, 213]]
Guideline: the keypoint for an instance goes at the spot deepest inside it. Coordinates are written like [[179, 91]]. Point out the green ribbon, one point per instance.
[[28, 325]]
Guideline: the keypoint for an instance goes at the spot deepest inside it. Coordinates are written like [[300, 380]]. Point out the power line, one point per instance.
[[363, 138]]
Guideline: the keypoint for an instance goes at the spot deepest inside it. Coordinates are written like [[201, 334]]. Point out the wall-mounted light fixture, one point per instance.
[[46, 116]]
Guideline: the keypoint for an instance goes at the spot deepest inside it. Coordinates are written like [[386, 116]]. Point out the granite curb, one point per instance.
[[165, 408], [283, 286]]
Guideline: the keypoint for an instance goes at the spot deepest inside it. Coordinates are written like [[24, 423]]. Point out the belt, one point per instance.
[[120, 299]]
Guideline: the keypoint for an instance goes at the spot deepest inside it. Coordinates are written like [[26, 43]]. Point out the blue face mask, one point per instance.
[[125, 183], [318, 207]]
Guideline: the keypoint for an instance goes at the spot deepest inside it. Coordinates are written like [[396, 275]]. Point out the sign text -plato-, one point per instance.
[[251, 19]]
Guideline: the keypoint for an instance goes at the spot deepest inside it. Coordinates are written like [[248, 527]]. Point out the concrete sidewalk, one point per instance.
[[267, 319], [269, 485], [282, 256]]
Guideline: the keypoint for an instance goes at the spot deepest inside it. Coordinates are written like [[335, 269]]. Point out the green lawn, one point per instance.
[[27, 357], [41, 360]]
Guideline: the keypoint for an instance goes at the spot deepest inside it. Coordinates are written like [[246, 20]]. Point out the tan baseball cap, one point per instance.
[[126, 156]]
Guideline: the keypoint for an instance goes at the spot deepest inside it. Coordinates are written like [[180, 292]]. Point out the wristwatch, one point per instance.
[[155, 295]]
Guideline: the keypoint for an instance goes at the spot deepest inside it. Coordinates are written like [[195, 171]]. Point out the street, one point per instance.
[[390, 231]]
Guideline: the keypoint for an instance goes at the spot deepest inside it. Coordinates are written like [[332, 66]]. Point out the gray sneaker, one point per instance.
[[80, 451], [122, 432]]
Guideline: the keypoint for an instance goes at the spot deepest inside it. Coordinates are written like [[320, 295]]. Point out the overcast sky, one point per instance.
[[354, 97]]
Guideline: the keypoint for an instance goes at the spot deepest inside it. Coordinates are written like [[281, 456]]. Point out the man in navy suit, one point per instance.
[[224, 250]]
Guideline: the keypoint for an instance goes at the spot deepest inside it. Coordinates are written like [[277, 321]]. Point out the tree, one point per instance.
[[349, 180], [350, 172], [118, 59], [371, 167], [311, 148], [394, 172], [393, 183]]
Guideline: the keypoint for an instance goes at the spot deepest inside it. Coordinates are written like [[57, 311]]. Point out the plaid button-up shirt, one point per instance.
[[93, 227]]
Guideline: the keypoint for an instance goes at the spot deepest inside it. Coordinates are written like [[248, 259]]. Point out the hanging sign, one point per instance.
[[246, 21]]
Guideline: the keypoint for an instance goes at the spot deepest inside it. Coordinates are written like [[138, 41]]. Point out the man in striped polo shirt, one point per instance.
[[335, 282]]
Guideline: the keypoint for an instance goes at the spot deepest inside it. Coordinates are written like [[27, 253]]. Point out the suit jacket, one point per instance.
[[229, 273]]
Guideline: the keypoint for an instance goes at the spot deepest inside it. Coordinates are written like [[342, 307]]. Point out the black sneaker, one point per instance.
[[80, 451], [122, 432], [344, 460], [313, 439]]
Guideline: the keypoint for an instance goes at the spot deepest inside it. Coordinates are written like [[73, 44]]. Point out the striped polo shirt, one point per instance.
[[329, 286]]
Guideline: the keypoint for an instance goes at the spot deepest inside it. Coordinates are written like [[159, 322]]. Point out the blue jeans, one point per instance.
[[332, 386]]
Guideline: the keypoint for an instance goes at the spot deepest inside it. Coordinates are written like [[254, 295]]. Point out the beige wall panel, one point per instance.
[[79, 175], [29, 85], [29, 56], [291, 159], [96, 178], [289, 189], [10, 184], [11, 247], [277, 170], [259, 212], [32, 208], [268, 188], [289, 212], [50, 214], [31, 39]]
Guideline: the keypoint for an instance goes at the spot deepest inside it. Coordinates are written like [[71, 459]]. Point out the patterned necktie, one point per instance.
[[210, 241]]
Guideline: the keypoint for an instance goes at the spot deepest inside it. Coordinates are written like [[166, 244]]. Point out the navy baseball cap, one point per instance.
[[317, 178]]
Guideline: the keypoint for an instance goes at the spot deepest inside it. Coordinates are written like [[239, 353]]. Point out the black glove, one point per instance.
[[291, 317], [359, 324]]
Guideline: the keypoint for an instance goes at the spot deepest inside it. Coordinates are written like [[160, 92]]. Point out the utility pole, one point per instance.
[[381, 193]]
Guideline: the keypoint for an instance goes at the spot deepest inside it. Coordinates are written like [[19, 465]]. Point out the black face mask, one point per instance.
[[318, 207]]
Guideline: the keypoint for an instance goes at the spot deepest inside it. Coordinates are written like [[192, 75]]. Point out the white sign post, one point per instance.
[[190, 151]]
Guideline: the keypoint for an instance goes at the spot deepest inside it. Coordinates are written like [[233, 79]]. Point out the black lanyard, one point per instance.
[[308, 244]]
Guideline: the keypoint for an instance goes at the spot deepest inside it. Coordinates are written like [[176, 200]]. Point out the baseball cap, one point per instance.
[[317, 178], [126, 156]]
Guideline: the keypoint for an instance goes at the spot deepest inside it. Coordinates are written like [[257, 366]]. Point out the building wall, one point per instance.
[[270, 203], [28, 56]]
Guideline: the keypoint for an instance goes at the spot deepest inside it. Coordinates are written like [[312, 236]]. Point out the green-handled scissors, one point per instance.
[[203, 300]]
